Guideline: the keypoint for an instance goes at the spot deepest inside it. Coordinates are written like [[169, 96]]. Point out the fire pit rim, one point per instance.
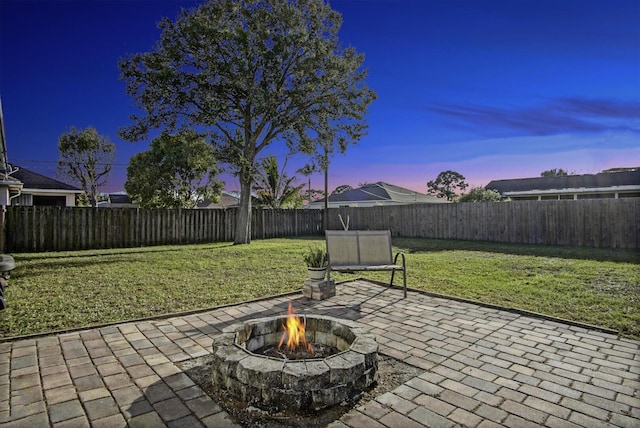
[[246, 328], [353, 368], [289, 361]]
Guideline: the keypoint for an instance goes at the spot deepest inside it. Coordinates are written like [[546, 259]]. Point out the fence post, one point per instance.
[[3, 210]]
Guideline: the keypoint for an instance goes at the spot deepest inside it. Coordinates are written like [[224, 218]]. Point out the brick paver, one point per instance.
[[481, 367]]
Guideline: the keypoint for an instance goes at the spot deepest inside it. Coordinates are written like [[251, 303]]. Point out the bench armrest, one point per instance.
[[404, 260]]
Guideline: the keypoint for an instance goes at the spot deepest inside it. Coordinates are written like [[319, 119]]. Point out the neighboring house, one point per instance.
[[38, 189], [118, 200], [376, 194], [10, 187], [227, 200], [625, 184]]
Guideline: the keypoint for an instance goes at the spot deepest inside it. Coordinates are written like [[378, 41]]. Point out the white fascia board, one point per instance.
[[626, 188], [52, 192]]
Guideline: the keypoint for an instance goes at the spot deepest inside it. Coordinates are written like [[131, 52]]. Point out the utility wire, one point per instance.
[[50, 161]]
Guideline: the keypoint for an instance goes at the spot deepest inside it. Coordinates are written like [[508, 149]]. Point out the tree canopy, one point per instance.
[[555, 172], [86, 158], [445, 185], [480, 194], [250, 73], [177, 172]]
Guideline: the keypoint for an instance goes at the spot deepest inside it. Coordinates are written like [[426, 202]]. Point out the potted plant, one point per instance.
[[316, 260]]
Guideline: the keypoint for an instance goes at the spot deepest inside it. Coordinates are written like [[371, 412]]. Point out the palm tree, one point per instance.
[[307, 171], [274, 189]]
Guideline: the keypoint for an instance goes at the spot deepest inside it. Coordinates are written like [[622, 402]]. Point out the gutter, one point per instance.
[[579, 190]]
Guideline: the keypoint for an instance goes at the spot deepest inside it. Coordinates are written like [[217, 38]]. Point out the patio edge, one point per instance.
[[150, 318], [518, 311]]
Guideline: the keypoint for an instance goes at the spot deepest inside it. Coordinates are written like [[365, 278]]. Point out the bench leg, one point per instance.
[[404, 280], [404, 272]]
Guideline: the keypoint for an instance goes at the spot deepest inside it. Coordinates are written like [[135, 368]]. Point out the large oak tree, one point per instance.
[[251, 73]]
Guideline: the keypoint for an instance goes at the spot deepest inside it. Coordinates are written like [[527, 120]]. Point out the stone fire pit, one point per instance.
[[275, 384]]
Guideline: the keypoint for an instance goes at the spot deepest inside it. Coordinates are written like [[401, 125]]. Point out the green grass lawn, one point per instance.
[[53, 291]]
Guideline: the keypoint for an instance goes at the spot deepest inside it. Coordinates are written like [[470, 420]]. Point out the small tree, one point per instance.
[[85, 160], [274, 188], [177, 172], [480, 194], [555, 172], [445, 185]]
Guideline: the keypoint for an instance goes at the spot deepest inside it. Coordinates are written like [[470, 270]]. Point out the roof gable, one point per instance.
[[227, 200], [119, 198], [382, 191]]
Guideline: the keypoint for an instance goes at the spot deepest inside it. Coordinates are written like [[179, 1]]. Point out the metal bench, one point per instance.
[[363, 250]]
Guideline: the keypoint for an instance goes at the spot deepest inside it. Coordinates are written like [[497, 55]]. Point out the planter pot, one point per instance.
[[317, 273]]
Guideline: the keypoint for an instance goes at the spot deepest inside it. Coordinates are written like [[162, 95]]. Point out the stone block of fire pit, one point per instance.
[[259, 371], [319, 289], [241, 368]]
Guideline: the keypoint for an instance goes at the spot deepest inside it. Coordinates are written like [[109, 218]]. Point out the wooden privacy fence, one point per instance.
[[604, 223], [36, 228]]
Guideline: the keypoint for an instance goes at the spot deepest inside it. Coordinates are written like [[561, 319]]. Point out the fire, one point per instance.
[[294, 332]]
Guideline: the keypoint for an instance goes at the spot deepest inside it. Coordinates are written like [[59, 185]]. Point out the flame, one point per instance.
[[294, 332]]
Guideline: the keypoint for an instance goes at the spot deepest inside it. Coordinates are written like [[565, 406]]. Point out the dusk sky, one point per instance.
[[492, 89]]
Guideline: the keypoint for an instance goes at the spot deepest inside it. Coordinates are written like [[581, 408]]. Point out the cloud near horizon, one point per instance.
[[558, 116]]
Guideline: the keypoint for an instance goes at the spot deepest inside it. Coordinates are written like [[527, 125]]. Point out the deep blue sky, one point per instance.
[[492, 89]]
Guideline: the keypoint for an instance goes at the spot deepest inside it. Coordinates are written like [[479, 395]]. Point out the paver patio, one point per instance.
[[481, 367]]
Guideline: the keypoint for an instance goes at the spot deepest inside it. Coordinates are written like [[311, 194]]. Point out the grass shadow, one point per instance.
[[119, 251]]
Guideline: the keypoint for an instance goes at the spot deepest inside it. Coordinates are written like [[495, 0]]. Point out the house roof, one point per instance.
[[33, 180], [227, 200], [563, 182], [381, 191], [119, 198]]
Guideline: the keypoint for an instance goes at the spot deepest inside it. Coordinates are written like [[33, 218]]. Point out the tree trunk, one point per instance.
[[243, 219], [93, 195], [325, 219]]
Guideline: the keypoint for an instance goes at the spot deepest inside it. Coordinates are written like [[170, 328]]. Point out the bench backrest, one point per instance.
[[359, 247]]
